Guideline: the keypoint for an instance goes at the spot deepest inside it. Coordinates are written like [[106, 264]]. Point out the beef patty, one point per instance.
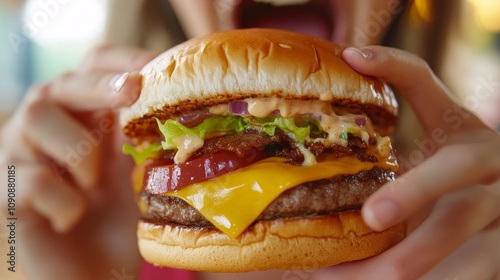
[[322, 197]]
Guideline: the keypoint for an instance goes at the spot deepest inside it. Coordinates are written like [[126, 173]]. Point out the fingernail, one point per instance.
[[116, 83], [382, 214], [365, 53]]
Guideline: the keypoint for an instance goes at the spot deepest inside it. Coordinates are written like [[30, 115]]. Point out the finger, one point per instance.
[[455, 220], [415, 81], [399, 199], [13, 142], [57, 136], [94, 91], [52, 198], [479, 258], [111, 58]]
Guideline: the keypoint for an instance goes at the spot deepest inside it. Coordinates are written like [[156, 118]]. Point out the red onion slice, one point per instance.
[[239, 108], [361, 121], [275, 113], [193, 118]]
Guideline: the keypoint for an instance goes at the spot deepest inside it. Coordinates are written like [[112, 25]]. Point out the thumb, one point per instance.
[[79, 91]]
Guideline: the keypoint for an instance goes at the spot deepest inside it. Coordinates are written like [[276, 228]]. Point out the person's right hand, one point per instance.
[[76, 217]]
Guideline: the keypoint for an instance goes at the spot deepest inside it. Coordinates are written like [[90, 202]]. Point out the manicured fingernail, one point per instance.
[[382, 214], [365, 53], [116, 83]]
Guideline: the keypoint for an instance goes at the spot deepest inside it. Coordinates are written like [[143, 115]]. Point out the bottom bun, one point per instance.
[[285, 244]]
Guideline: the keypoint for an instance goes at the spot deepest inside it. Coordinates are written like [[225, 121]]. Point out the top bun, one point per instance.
[[227, 66]]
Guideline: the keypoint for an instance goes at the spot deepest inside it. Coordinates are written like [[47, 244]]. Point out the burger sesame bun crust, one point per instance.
[[233, 65], [285, 244]]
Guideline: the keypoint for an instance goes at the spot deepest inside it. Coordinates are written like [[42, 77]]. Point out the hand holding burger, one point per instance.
[[255, 150]]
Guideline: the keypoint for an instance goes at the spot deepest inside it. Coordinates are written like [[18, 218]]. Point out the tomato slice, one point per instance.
[[161, 178]]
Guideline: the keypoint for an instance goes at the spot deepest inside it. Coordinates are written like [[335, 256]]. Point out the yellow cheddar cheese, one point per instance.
[[233, 201]]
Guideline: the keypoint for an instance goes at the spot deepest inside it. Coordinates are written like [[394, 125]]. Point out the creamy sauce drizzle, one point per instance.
[[336, 124], [187, 145]]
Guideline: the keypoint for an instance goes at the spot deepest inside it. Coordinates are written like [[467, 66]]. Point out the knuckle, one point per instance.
[[424, 65], [59, 86], [14, 146], [62, 79], [40, 178], [141, 57], [473, 155], [426, 71], [421, 66], [92, 58], [36, 92], [35, 180], [13, 142], [420, 63], [464, 154], [446, 154], [488, 200], [34, 113]]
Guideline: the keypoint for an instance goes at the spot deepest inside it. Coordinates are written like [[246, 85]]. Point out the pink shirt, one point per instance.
[[151, 272]]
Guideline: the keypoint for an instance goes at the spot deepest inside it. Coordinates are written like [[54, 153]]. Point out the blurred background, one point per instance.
[[40, 39], [43, 38]]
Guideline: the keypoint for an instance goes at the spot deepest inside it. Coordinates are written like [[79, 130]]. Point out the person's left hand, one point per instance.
[[450, 200]]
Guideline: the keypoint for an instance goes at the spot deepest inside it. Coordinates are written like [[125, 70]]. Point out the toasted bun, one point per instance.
[[228, 66], [232, 65], [287, 244]]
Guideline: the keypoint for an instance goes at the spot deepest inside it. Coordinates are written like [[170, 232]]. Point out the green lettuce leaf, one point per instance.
[[313, 124], [270, 124], [140, 156], [344, 134], [172, 129]]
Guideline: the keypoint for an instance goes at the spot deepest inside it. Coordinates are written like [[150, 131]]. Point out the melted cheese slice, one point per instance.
[[233, 201]]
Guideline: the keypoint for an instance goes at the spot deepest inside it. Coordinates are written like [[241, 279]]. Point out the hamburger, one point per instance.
[[255, 149]]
